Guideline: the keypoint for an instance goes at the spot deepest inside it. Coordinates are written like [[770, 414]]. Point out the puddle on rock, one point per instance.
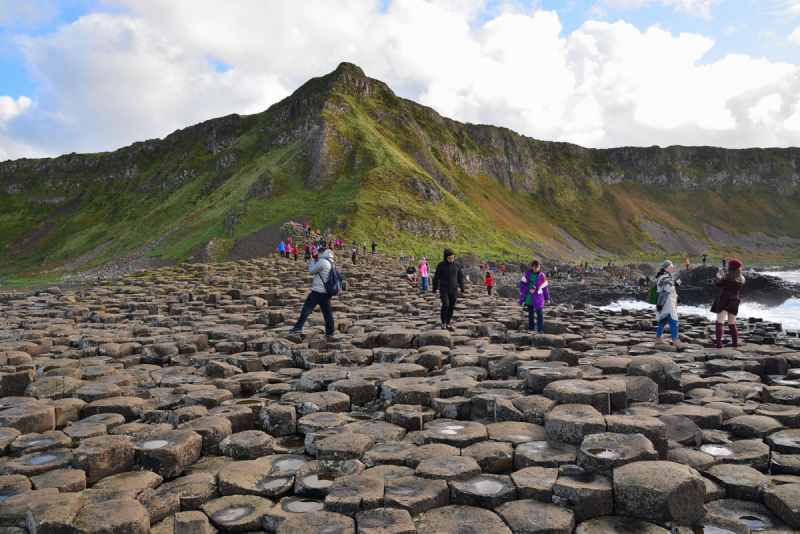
[[752, 521], [717, 450], [602, 453], [5, 494], [301, 506], [155, 444], [289, 465], [389, 447], [43, 459], [35, 442], [233, 513], [274, 483], [487, 486], [319, 481], [452, 430]]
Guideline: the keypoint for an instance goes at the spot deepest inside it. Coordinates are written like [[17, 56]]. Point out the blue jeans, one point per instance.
[[324, 301], [539, 319], [424, 283], [673, 327]]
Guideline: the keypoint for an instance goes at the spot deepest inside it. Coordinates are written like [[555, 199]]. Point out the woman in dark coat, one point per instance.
[[727, 303]]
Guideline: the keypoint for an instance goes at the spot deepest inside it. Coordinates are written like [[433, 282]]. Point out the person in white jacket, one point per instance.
[[668, 301], [321, 269]]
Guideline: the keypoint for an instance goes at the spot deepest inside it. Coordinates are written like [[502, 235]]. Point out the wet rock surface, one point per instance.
[[178, 400]]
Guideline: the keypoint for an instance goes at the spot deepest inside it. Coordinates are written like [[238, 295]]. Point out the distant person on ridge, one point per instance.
[[364, 243], [374, 247], [705, 257], [727, 303], [687, 264], [447, 279], [724, 262]]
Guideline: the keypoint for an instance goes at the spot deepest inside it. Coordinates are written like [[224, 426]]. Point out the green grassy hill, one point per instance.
[[349, 154]]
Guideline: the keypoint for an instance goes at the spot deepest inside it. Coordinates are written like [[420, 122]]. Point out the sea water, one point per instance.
[[788, 313]]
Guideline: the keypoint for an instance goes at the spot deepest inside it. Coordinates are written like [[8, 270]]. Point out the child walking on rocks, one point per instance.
[[667, 305], [448, 278], [534, 294], [423, 273], [321, 269], [727, 303]]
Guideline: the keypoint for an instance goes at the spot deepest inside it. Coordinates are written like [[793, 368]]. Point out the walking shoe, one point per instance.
[[660, 341], [330, 337], [448, 327], [295, 330], [677, 343], [444, 327]]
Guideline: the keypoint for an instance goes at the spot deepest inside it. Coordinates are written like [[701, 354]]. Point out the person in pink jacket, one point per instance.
[[423, 273]]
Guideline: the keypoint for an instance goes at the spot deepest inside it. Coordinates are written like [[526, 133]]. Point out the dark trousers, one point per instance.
[[448, 306], [295, 257], [324, 301], [489, 290], [539, 320]]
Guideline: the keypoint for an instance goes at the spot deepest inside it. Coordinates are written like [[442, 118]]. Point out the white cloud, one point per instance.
[[108, 80], [794, 37], [731, 29], [112, 80], [766, 109], [10, 108], [791, 8]]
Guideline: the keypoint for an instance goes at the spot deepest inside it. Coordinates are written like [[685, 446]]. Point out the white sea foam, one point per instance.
[[787, 313]]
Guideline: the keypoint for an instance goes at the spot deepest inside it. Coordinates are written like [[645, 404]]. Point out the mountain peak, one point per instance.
[[350, 78]]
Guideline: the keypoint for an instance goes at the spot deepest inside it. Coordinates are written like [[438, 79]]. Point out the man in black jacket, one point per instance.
[[448, 279]]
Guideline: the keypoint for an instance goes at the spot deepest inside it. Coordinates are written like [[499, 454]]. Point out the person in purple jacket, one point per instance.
[[534, 294]]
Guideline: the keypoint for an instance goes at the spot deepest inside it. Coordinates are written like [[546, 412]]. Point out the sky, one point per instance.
[[97, 75]]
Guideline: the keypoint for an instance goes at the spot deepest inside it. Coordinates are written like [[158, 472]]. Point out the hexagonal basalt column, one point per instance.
[[665, 492], [168, 453]]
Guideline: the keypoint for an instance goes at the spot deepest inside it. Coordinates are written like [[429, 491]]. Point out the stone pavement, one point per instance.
[[177, 401]]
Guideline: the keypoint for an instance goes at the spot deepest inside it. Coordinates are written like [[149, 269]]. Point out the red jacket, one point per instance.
[[489, 281]]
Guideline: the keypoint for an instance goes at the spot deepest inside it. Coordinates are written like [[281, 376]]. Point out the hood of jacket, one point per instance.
[[328, 254]]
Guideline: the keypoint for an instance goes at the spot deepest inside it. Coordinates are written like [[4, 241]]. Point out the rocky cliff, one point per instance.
[[356, 158]]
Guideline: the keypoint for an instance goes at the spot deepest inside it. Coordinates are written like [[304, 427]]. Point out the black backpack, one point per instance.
[[334, 282]]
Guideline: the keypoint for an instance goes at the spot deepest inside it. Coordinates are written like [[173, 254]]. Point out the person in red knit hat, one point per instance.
[[727, 303]]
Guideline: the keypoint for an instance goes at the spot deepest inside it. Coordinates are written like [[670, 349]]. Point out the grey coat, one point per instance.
[[666, 286], [321, 270]]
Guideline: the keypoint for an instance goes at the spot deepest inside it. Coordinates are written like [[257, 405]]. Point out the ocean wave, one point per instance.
[[788, 313]]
